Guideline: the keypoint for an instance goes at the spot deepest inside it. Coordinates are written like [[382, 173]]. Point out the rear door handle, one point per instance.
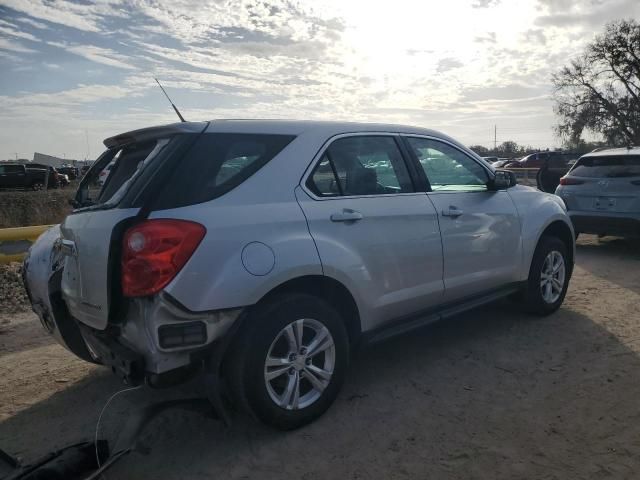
[[452, 212], [347, 215]]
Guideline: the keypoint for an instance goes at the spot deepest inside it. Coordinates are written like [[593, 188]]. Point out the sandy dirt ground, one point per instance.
[[492, 394]]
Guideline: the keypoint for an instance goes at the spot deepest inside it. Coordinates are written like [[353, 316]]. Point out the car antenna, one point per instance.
[[174, 107]]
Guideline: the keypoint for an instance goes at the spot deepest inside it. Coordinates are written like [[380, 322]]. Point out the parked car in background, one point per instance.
[[501, 162], [538, 160], [26, 176], [53, 180], [490, 159], [71, 172], [602, 192], [267, 251], [63, 179], [104, 174]]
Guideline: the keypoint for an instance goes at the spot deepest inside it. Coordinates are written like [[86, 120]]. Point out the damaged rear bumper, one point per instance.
[[167, 335], [154, 337]]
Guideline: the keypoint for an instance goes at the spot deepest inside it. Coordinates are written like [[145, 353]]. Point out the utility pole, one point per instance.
[[86, 135], [495, 138]]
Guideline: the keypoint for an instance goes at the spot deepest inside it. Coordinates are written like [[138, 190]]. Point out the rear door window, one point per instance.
[[217, 163], [607, 166], [361, 165], [323, 181]]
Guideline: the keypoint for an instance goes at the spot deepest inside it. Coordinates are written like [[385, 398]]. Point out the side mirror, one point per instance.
[[503, 179]]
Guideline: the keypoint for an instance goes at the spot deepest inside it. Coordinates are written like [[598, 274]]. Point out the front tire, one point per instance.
[[548, 277], [290, 361]]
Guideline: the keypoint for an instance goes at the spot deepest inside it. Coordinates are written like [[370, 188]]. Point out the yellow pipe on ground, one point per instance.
[[14, 242]]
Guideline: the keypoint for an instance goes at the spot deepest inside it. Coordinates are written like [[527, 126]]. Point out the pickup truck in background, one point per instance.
[[24, 176]]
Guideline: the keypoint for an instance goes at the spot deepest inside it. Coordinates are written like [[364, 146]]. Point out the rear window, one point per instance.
[[613, 166], [114, 171], [217, 163]]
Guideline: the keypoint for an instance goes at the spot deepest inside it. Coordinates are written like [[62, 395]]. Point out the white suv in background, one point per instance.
[[602, 192], [263, 252]]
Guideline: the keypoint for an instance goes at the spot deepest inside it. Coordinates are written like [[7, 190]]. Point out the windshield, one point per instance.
[[613, 166]]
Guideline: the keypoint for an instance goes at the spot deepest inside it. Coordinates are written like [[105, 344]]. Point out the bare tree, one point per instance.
[[600, 90], [480, 150]]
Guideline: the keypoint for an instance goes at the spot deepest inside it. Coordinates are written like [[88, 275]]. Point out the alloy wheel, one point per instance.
[[552, 277], [299, 364]]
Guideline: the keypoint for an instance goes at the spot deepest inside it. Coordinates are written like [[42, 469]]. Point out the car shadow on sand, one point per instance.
[[18, 337], [490, 394]]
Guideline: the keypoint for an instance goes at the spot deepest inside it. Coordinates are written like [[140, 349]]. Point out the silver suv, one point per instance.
[[262, 253], [602, 192]]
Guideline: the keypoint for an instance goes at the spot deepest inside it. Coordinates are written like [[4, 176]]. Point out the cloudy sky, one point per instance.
[[75, 70]]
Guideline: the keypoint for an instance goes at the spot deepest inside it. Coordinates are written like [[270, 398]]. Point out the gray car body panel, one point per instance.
[[85, 277], [391, 260], [537, 210], [270, 230]]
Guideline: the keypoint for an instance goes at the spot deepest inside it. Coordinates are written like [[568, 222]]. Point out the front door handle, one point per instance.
[[347, 215], [452, 211]]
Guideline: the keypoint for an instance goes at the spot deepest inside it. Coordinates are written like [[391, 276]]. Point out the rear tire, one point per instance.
[[548, 277], [37, 186], [306, 343]]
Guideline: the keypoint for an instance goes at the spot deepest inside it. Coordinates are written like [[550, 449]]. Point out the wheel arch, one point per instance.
[[328, 289], [564, 232]]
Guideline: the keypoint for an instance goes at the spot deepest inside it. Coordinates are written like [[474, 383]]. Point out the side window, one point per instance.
[[366, 165], [323, 180], [217, 163], [447, 168], [13, 169]]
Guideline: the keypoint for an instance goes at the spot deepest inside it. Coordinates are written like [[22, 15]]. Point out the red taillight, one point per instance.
[[570, 181], [154, 252]]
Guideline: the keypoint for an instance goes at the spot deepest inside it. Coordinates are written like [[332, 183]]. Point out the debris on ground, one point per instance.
[[13, 297]]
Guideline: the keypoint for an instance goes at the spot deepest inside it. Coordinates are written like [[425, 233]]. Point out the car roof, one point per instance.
[[25, 164], [284, 127], [614, 151], [298, 127]]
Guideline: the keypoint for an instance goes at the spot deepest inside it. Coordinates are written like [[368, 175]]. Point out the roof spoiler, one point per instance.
[[152, 133]]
